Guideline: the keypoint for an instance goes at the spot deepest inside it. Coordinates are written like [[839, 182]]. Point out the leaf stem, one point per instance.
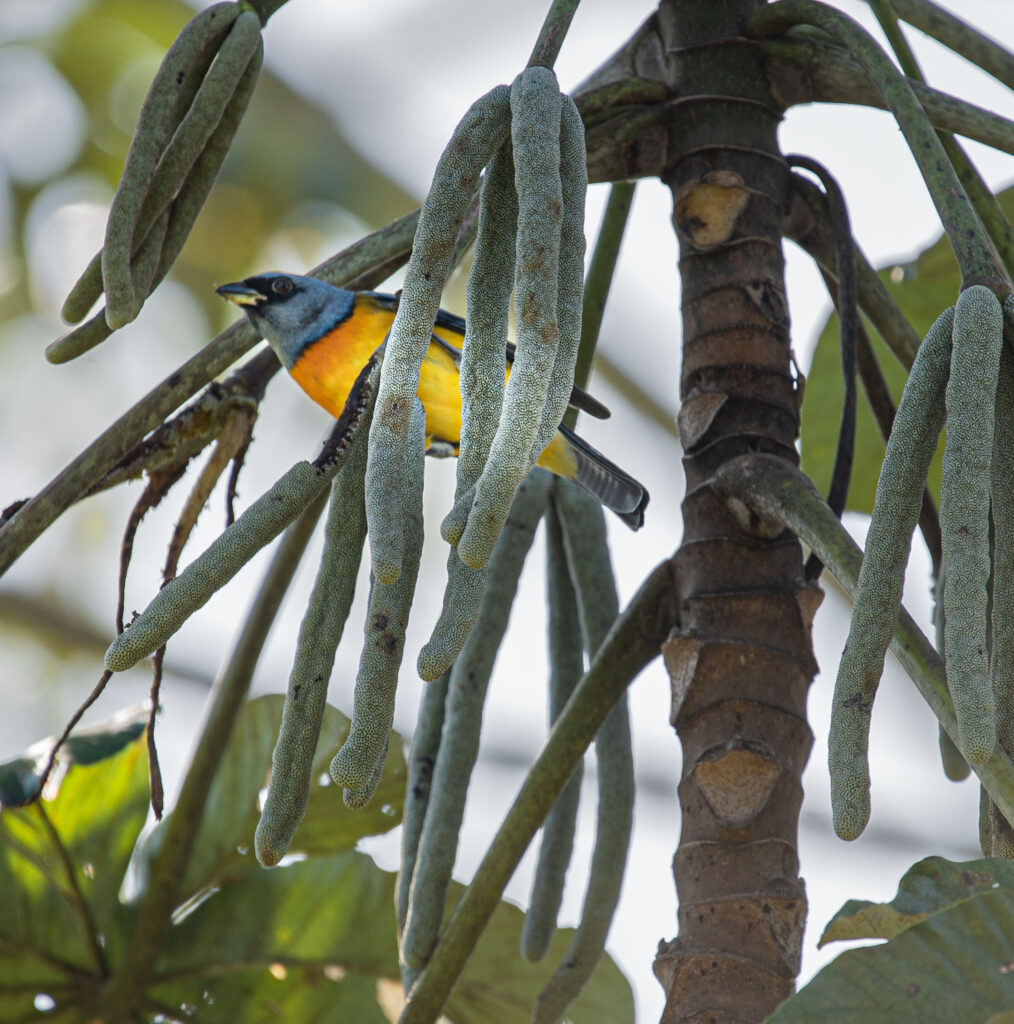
[[874, 298], [985, 203], [599, 280], [77, 900], [832, 76], [553, 31], [959, 36]]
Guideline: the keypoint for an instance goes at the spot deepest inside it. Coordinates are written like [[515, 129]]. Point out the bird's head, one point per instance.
[[289, 311]]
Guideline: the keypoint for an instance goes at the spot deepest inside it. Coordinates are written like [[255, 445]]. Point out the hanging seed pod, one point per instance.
[[475, 140], [909, 452], [1002, 497], [964, 515], [163, 107], [254, 529], [422, 758], [566, 666], [358, 763], [490, 284], [584, 536], [955, 766], [319, 635], [459, 741], [535, 133], [149, 150]]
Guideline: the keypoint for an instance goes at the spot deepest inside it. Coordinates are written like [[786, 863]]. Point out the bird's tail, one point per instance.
[[606, 482]]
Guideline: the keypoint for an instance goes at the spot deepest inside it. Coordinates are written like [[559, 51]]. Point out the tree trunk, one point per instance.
[[742, 660]]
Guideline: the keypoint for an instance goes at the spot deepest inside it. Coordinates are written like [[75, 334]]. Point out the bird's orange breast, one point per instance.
[[327, 369]]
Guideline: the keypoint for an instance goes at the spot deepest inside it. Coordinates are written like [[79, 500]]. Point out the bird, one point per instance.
[[324, 335]]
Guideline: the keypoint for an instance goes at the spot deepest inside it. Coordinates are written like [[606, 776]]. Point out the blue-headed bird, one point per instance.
[[324, 336]]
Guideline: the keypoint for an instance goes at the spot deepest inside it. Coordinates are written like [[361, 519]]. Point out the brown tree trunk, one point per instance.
[[742, 660]]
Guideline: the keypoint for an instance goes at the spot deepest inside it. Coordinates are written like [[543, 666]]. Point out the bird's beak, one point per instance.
[[241, 294]]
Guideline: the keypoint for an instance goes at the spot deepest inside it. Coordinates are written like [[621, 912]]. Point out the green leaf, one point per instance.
[[62, 862], [932, 885], [224, 844], [949, 956], [303, 942], [922, 288], [312, 939]]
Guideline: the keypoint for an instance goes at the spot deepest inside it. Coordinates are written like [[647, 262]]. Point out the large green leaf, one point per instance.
[[62, 863], [949, 956], [932, 885], [922, 288], [303, 942]]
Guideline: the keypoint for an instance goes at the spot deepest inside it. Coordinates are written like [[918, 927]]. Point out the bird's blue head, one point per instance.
[[290, 312]]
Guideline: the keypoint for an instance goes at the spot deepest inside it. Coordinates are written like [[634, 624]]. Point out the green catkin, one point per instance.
[[535, 133], [422, 758], [319, 635], [964, 515], [87, 288], [956, 768], [1001, 835], [82, 339], [459, 741], [354, 766], [570, 297], [910, 450], [488, 302], [490, 282], [183, 212], [462, 597], [148, 257], [213, 97], [357, 799], [1002, 497], [1001, 666], [195, 189], [985, 823], [155, 124], [566, 666], [169, 96], [584, 535], [612, 840], [475, 140]]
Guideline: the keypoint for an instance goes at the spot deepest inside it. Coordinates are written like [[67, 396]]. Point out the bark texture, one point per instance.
[[742, 659]]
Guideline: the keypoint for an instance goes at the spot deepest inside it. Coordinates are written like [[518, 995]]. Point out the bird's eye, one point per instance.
[[282, 286]]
